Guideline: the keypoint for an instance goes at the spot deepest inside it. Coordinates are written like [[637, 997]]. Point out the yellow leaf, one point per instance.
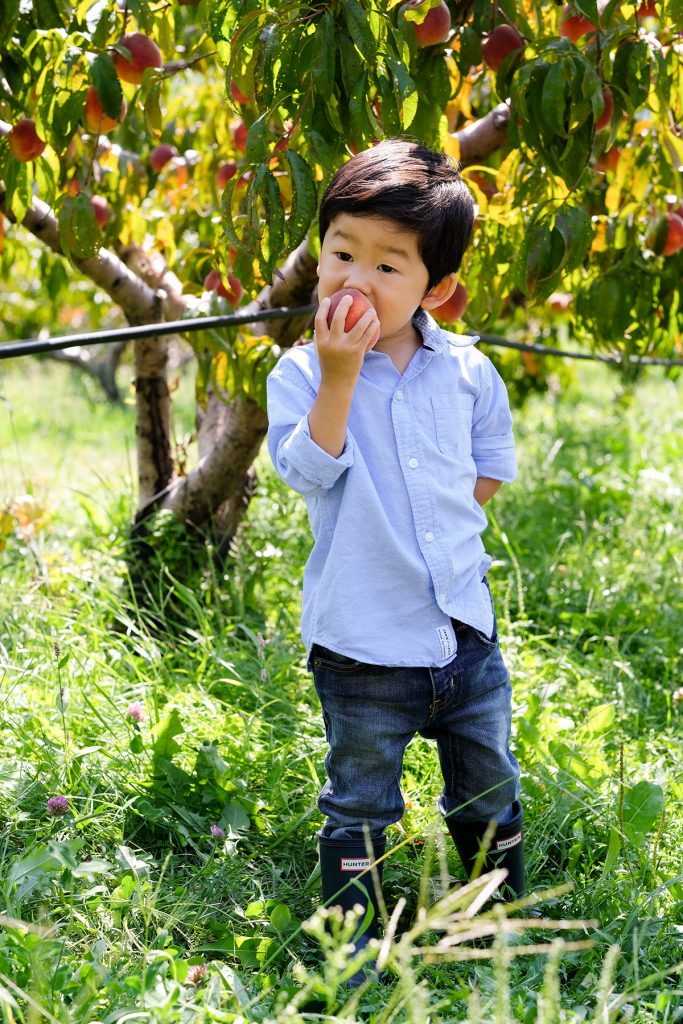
[[508, 169], [451, 146]]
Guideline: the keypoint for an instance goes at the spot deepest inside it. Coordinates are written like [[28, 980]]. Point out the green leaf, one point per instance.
[[613, 851], [227, 219], [78, 230], [574, 224], [360, 123], [10, 14], [643, 806], [266, 51], [153, 116], [544, 254], [281, 917], [404, 90], [359, 30], [257, 149], [273, 237], [589, 8], [304, 199], [209, 763], [324, 55], [600, 720], [554, 99], [469, 55], [165, 731], [235, 817], [107, 85]]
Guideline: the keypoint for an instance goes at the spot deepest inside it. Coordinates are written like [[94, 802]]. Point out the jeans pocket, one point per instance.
[[322, 657], [489, 643]]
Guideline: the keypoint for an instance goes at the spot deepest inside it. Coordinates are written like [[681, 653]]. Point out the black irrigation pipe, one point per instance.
[[35, 346]]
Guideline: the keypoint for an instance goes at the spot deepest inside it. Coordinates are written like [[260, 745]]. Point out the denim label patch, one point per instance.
[[354, 863], [445, 640], [505, 844]]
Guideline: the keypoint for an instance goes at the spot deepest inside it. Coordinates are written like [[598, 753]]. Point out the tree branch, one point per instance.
[[483, 137]]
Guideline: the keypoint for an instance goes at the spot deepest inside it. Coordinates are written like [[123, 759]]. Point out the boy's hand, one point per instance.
[[341, 352]]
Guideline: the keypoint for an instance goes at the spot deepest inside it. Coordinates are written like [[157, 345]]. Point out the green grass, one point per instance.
[[107, 908]]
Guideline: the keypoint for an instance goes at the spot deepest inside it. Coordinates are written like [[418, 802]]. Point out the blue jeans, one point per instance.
[[371, 713]]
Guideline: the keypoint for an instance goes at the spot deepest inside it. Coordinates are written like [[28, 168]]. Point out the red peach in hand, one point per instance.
[[358, 307]]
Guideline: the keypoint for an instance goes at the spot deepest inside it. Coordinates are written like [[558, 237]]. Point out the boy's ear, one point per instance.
[[440, 292]]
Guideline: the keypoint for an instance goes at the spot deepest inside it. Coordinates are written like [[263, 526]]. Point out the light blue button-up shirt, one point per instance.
[[397, 531]]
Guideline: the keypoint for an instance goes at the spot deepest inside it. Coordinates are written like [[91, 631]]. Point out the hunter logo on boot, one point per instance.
[[505, 844], [354, 863]]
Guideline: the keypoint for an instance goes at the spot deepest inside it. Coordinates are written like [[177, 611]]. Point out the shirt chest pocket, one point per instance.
[[453, 423]]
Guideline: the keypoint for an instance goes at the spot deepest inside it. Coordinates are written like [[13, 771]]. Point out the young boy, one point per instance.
[[397, 432]]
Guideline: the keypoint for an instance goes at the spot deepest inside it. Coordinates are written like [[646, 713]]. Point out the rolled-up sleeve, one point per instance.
[[493, 443], [301, 463]]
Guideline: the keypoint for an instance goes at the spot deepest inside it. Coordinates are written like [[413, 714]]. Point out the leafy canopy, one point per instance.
[[579, 199]]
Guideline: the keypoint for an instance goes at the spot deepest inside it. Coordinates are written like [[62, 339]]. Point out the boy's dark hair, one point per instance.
[[410, 184]]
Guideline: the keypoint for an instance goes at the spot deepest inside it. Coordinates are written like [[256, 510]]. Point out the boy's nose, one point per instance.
[[355, 279]]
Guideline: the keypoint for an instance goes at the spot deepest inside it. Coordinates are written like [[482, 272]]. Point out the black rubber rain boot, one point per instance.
[[343, 861], [506, 850]]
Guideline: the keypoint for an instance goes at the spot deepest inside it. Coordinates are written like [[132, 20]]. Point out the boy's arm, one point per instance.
[[307, 428], [341, 355], [493, 445], [485, 488]]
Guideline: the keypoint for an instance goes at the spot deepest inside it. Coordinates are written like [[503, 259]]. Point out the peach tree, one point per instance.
[[160, 161]]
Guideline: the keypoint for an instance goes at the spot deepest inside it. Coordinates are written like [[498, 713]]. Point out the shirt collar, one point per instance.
[[435, 338]]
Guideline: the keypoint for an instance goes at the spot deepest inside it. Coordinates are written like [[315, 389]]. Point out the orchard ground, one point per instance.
[[187, 742]]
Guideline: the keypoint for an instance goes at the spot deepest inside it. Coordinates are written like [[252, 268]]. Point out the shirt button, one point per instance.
[[413, 463], [429, 536], [399, 396]]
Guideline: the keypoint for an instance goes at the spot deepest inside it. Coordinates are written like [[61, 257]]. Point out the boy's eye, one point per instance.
[[386, 269], [344, 256]]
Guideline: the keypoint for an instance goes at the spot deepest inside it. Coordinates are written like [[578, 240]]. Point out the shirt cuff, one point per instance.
[[495, 458], [311, 461]]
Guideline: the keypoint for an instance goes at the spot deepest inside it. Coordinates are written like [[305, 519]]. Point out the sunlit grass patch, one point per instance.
[[185, 738]]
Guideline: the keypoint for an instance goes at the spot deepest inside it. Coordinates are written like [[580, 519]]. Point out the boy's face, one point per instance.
[[381, 259]]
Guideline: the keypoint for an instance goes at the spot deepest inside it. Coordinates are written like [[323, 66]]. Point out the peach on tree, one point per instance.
[[94, 118], [453, 308], [24, 142], [504, 40], [144, 53], [161, 155], [436, 26], [101, 209]]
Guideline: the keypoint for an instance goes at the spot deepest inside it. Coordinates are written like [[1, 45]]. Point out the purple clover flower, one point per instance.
[[57, 806], [217, 832], [136, 711], [195, 974]]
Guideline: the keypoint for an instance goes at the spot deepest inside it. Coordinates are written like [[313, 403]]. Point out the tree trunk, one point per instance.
[[218, 490]]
